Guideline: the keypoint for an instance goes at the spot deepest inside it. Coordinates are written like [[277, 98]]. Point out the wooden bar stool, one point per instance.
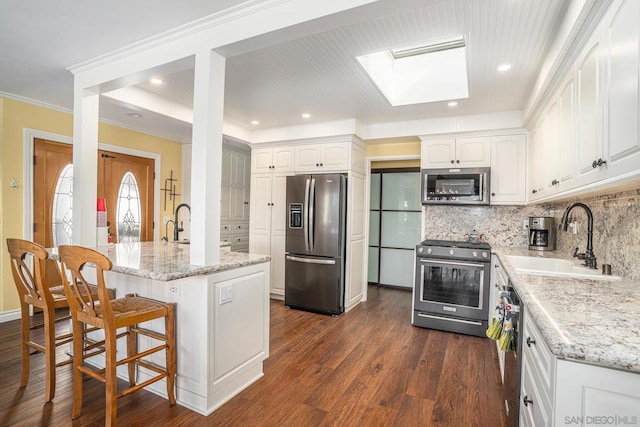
[[110, 316], [34, 291]]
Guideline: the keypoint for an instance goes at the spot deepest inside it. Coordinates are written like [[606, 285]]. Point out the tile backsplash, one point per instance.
[[616, 236]]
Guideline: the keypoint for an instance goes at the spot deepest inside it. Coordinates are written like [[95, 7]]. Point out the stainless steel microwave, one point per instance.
[[459, 186]]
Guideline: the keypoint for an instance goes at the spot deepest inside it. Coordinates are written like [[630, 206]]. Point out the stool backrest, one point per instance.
[[30, 282], [74, 259]]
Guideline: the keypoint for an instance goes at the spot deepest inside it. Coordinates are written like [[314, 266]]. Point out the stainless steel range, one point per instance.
[[451, 289]]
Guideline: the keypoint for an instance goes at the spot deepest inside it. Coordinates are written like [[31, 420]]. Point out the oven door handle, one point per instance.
[[463, 264]]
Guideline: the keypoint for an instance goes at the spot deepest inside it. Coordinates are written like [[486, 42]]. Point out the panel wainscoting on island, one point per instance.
[[222, 325]]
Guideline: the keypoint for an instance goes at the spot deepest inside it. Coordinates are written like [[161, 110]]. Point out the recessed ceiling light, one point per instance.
[[452, 104], [306, 115], [134, 115], [255, 122], [156, 81], [504, 67]]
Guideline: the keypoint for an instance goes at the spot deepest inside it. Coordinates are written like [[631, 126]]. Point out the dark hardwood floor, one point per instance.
[[369, 367]]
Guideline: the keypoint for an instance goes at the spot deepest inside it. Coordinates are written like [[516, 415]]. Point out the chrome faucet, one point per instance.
[[177, 229], [588, 256]]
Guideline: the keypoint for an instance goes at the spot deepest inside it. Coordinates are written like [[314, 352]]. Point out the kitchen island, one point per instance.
[[222, 316], [581, 347]]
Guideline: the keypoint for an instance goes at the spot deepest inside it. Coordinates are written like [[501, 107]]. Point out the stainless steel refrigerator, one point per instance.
[[315, 240]]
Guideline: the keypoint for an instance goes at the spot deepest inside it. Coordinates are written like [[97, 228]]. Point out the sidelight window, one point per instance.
[[128, 210], [61, 212]]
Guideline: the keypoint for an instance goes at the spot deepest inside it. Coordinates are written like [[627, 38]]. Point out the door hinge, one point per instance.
[[154, 175], [153, 225], [34, 159], [34, 227]]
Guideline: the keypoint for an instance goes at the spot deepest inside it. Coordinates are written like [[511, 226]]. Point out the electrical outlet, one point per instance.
[[525, 226], [174, 290], [226, 294]]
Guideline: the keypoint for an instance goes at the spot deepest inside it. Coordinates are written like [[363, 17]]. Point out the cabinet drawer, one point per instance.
[[537, 411], [541, 358], [240, 226], [225, 228], [240, 240]]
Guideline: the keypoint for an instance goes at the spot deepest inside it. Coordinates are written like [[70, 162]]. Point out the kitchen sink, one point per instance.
[[555, 267]]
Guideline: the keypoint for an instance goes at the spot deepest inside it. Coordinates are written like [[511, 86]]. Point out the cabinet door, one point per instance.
[[623, 138], [225, 202], [240, 162], [226, 168], [260, 204], [551, 176], [261, 160], [473, 152], [279, 207], [283, 159], [438, 153], [237, 208], [334, 157], [307, 158], [535, 158], [508, 169], [566, 152], [589, 113], [277, 264]]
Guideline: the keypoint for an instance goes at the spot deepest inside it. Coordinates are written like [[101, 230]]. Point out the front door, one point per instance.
[[125, 181]]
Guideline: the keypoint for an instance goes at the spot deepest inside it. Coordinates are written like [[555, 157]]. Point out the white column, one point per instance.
[[206, 157], [85, 165]]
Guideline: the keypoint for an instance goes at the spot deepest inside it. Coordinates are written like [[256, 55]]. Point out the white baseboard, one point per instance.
[[7, 316]]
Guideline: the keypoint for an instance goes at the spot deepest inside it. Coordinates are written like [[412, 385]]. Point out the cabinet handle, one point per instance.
[[239, 227], [534, 191], [321, 164], [554, 182], [599, 162], [530, 342], [527, 401], [457, 161], [452, 161], [493, 194], [246, 203]]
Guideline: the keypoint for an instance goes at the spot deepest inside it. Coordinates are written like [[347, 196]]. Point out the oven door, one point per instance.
[[452, 288]]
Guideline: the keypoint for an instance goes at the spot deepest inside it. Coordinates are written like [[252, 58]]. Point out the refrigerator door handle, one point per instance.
[[311, 260], [305, 220], [312, 218]]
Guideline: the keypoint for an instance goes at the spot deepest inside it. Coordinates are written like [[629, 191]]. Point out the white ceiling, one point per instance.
[[274, 78]]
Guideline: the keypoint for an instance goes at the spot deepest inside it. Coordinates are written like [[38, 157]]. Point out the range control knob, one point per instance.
[[451, 252], [420, 250], [429, 250], [484, 254], [475, 254]]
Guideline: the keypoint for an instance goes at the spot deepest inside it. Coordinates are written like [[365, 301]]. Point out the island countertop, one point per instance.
[[592, 321], [166, 261]]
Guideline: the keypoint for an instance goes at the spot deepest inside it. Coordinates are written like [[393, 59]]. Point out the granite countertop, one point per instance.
[[591, 321], [166, 261]]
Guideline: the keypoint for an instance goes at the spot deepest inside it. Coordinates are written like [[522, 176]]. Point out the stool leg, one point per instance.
[[111, 385], [49, 353], [170, 333], [26, 337], [78, 357], [132, 349]]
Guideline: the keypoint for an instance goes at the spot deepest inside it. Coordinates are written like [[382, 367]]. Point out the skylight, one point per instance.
[[420, 74]]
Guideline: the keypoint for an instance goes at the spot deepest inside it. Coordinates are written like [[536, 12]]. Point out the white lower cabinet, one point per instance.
[[558, 392]]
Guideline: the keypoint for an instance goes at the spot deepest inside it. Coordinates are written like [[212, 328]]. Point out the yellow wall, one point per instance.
[[409, 146], [15, 116]]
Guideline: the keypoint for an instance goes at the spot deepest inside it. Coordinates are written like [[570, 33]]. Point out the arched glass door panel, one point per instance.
[[61, 210], [128, 210]]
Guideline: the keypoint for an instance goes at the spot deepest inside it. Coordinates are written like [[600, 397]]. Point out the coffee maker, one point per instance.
[[542, 233]]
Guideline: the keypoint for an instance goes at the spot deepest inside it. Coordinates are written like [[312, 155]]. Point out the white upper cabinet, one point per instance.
[[467, 152], [322, 157], [508, 169], [623, 65], [565, 166], [589, 111], [277, 159]]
